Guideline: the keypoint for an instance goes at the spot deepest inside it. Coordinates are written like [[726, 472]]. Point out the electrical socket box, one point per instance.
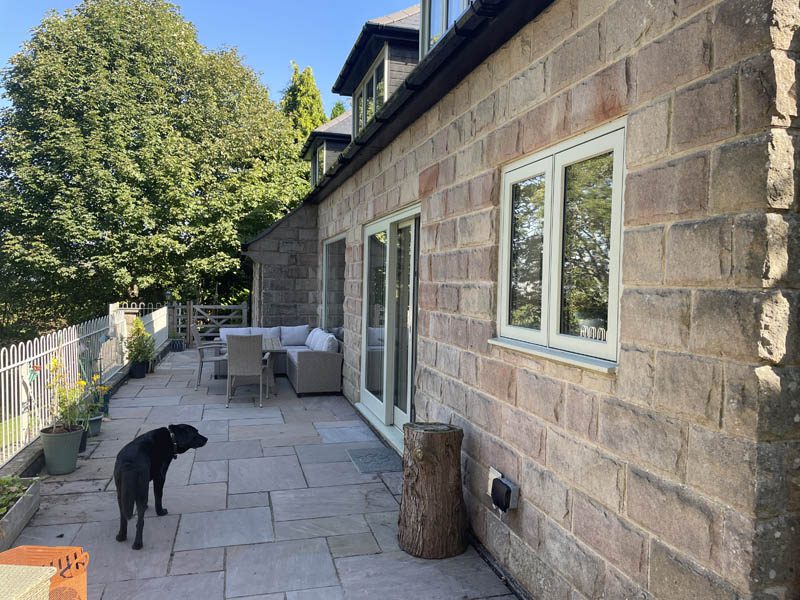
[[503, 491]]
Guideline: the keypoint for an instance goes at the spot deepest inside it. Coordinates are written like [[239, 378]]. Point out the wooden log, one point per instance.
[[433, 517]]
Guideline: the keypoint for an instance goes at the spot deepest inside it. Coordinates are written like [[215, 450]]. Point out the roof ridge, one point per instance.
[[335, 121], [396, 16]]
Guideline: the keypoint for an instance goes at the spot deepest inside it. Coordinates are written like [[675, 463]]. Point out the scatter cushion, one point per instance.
[[266, 332], [224, 332], [313, 338], [294, 336], [327, 343]]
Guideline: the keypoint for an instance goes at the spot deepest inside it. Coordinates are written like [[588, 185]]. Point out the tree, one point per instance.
[[302, 102], [338, 109], [131, 159]]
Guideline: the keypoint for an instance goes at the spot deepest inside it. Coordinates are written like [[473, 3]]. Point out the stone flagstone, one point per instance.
[[204, 585], [332, 501], [231, 527], [264, 474]]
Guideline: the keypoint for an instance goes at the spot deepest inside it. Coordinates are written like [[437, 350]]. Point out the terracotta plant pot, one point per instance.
[[61, 450]]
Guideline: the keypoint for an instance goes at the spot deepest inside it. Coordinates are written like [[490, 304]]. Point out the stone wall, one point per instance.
[[285, 270], [678, 476]]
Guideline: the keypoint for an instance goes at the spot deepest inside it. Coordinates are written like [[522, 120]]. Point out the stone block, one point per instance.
[[527, 88], [484, 190], [576, 57], [689, 386], [524, 432], [447, 360], [765, 247], [598, 474], [502, 144], [762, 402], [580, 566], [454, 394], [723, 466], [603, 96], [482, 264], [636, 374], [676, 515], [496, 453], [656, 317], [667, 192], [541, 396], [631, 23], [704, 112], [484, 411], [674, 577], [742, 325], [537, 577], [644, 436], [498, 379], [682, 55], [699, 252], [478, 301], [546, 491], [740, 29], [545, 124], [428, 179], [643, 257], [648, 132], [582, 410], [618, 541], [478, 229]]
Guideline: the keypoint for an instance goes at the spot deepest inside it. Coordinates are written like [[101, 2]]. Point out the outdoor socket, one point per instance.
[[504, 492]]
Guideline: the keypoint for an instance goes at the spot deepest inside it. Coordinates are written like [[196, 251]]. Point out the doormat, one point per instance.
[[375, 460]]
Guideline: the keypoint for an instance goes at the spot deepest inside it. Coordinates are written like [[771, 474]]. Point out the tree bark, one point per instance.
[[433, 517]]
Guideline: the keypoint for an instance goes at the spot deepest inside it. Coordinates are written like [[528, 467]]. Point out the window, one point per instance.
[[370, 94], [333, 267], [437, 17], [560, 245], [318, 169]]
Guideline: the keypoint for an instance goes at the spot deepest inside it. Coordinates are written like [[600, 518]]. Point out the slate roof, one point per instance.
[[340, 128]]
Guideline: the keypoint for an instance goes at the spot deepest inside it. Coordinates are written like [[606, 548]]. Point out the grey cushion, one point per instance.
[[267, 332], [327, 343], [294, 336], [224, 332], [302, 348], [313, 338]]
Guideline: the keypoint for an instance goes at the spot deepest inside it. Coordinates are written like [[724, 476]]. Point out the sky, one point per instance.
[[268, 33]]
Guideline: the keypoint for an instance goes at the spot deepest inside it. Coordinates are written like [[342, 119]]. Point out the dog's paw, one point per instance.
[[121, 537], [137, 545], [161, 512]]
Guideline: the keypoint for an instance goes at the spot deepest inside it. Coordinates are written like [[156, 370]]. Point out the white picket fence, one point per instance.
[[94, 347]]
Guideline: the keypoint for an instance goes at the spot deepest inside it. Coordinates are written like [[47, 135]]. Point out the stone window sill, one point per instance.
[[562, 356]]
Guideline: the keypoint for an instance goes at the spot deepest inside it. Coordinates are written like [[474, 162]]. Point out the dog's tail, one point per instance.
[[128, 488]]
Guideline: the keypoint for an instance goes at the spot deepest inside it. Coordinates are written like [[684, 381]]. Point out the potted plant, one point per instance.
[[177, 343], [19, 499], [62, 439], [141, 349], [96, 404]]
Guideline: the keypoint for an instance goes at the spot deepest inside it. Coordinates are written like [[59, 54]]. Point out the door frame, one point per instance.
[[383, 409]]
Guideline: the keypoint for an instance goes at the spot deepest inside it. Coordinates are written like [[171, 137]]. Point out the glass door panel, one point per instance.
[[376, 313], [404, 319]]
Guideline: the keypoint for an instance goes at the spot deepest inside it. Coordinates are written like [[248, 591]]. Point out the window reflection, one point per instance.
[[376, 312], [527, 238]]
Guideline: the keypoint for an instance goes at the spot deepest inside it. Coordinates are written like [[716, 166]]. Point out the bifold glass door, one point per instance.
[[389, 332]]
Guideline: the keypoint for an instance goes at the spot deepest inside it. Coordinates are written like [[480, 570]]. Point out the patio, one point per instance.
[[271, 508]]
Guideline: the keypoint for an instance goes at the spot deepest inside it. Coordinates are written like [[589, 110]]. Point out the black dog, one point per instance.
[[144, 459]]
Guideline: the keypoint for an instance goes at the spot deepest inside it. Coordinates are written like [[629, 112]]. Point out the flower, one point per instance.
[[95, 378], [37, 368], [82, 383]]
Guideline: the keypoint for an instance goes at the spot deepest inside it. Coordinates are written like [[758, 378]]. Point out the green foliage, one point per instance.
[[338, 109], [11, 489], [132, 161], [140, 345], [302, 103], [69, 397]]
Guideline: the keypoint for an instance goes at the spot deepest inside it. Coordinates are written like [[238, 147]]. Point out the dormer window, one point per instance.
[[370, 94], [437, 17]]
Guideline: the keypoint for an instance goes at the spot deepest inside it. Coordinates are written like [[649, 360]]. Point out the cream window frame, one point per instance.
[[360, 120], [551, 162]]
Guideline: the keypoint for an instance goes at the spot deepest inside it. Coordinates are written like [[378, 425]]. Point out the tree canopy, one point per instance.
[[132, 159], [338, 109], [302, 102]]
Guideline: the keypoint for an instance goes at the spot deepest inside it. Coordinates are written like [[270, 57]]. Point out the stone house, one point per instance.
[[572, 229]]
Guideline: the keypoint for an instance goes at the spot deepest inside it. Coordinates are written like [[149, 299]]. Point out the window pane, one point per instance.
[[586, 247], [376, 312], [527, 237], [454, 10], [370, 100], [359, 111], [320, 162], [380, 91], [437, 21], [334, 288]]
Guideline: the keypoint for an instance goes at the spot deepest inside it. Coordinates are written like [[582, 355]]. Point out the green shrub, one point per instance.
[[140, 344]]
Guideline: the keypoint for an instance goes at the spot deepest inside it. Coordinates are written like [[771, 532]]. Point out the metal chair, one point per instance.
[[208, 351], [245, 359]]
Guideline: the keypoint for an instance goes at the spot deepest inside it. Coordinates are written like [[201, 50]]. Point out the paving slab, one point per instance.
[[384, 528], [48, 535], [394, 481], [169, 415], [231, 527], [128, 390], [332, 501], [120, 429], [302, 414], [339, 473], [320, 527], [357, 433], [375, 460], [259, 421], [211, 471], [197, 561], [203, 585], [164, 400], [116, 561], [287, 434], [134, 412], [277, 450], [76, 508], [265, 474], [51, 488], [241, 412], [228, 450], [194, 498], [326, 593], [248, 500], [92, 468], [353, 544], [279, 567], [327, 453], [399, 576]]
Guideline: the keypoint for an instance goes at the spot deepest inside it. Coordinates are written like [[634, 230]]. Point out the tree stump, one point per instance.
[[433, 517]]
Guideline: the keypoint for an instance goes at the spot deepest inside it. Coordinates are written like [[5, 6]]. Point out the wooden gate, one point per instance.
[[208, 318]]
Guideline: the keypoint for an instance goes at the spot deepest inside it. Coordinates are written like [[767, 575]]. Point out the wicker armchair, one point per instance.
[[245, 359], [209, 353]]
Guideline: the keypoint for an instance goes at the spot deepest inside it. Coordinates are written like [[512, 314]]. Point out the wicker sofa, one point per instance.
[[312, 359]]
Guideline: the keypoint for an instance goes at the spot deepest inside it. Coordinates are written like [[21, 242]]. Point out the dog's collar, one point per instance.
[[174, 443]]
